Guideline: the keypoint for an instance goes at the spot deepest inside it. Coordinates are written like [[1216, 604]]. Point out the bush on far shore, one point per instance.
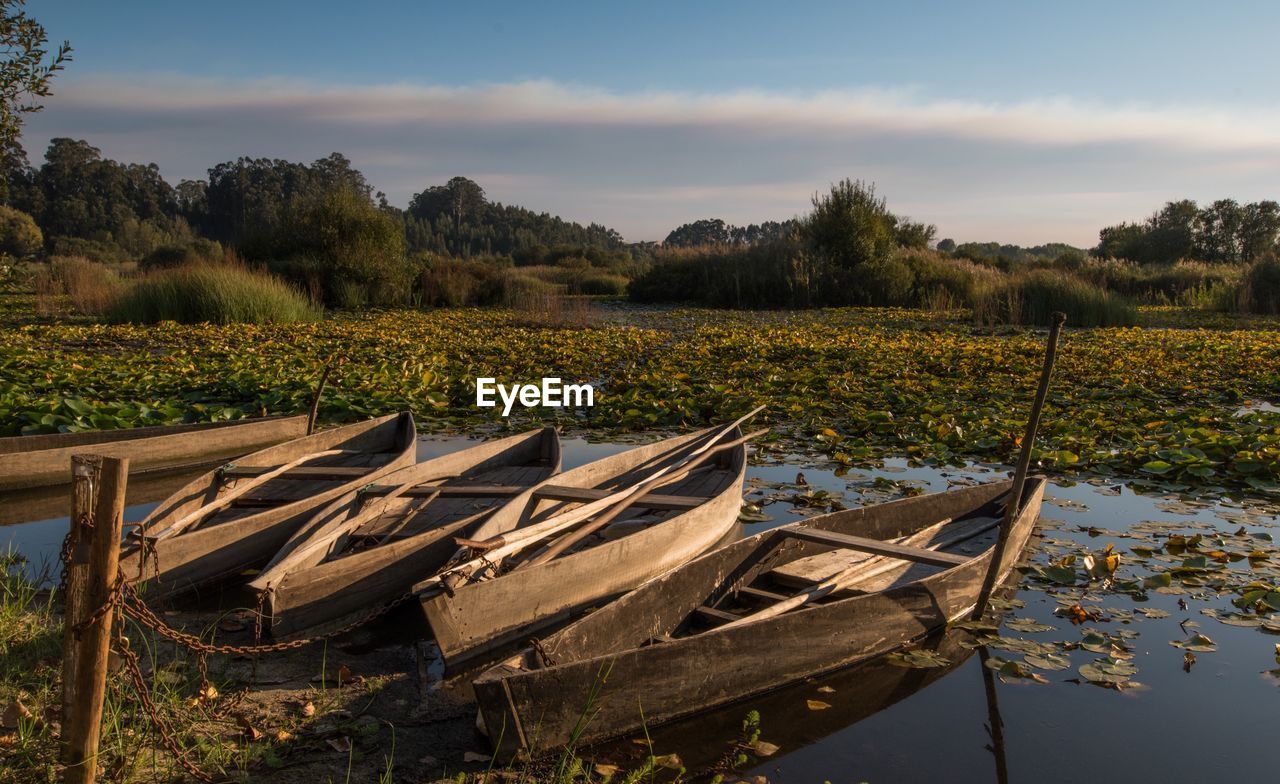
[[218, 294], [1031, 298]]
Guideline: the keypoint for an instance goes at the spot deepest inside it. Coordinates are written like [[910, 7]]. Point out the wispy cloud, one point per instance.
[[646, 161]]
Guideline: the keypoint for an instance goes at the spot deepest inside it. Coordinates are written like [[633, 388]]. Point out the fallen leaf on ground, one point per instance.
[[14, 712], [342, 744], [817, 704]]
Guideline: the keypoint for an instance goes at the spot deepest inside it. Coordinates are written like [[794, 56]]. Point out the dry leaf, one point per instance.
[[251, 732], [764, 749], [826, 690], [606, 770], [231, 624], [14, 712], [283, 735], [817, 704], [308, 709], [344, 675], [342, 744], [670, 761]]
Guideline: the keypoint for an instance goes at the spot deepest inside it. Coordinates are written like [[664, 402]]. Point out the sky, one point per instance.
[[1018, 122]]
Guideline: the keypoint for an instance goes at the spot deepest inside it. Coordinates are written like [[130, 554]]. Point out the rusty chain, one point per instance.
[[134, 671], [124, 598]]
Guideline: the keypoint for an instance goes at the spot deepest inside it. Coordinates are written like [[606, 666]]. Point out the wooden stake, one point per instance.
[[85, 470], [1014, 503], [315, 401], [84, 722]]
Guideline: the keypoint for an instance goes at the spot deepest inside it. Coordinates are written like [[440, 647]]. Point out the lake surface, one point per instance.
[[886, 723]]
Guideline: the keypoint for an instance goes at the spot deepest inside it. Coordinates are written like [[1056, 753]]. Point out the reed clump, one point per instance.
[[1033, 296], [209, 293]]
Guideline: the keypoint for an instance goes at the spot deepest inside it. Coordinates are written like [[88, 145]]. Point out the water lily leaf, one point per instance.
[[1048, 661], [1196, 642], [920, 658]]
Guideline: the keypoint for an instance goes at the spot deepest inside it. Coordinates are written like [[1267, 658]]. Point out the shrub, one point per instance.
[[1031, 297], [95, 250], [453, 283], [19, 235], [195, 252], [346, 238], [600, 284], [1260, 290], [219, 294]]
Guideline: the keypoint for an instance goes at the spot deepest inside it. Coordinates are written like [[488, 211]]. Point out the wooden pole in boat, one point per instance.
[[1014, 504], [91, 636], [315, 401]]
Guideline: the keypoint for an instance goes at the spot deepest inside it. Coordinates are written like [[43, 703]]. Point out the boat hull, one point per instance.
[[45, 460], [598, 667], [193, 558], [480, 618]]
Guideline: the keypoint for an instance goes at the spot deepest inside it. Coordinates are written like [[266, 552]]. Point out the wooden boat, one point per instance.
[[235, 517], [669, 523], [45, 460], [371, 545], [687, 641]]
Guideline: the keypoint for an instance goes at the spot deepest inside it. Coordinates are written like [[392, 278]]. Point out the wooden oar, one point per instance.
[[499, 548], [565, 519], [231, 495], [578, 534]]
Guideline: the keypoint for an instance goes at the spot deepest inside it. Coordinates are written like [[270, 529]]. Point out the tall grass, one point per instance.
[[218, 294], [1031, 298], [88, 287]]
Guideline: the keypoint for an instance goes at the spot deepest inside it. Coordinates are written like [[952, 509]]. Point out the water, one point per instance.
[[888, 723]]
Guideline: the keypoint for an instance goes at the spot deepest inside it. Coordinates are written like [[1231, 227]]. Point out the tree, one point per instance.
[[851, 226], [708, 231], [947, 245], [911, 234], [19, 234], [25, 67], [459, 198], [1218, 227], [1259, 228]]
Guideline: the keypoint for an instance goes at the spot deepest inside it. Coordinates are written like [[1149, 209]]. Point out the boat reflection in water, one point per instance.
[[707, 744]]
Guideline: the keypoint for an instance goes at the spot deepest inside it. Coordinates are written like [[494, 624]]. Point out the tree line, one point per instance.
[[1225, 231]]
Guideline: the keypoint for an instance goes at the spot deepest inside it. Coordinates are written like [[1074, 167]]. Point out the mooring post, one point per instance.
[[1014, 504], [314, 413], [85, 470], [89, 634]]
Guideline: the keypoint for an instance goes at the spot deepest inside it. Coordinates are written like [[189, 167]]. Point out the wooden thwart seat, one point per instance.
[[716, 614], [878, 547], [301, 472]]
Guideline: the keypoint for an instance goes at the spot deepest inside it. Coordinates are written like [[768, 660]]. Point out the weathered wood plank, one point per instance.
[[878, 547]]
